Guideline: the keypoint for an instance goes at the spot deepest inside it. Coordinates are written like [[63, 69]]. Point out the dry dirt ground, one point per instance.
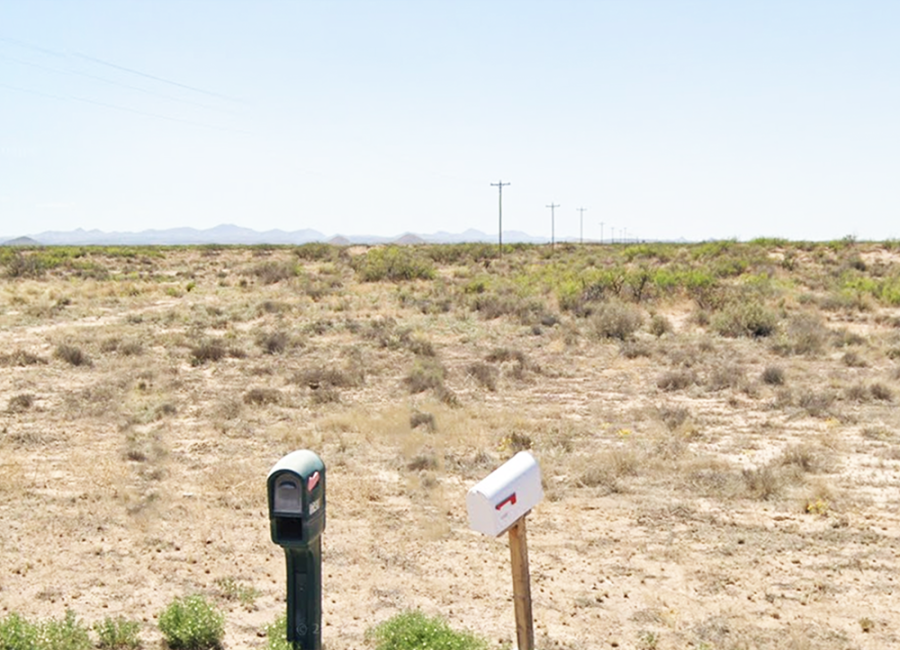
[[720, 511]]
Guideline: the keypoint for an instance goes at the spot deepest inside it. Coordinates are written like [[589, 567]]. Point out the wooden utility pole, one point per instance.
[[553, 207], [518, 549], [500, 236], [581, 224]]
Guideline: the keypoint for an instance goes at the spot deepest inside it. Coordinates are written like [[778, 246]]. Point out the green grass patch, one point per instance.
[[414, 630]]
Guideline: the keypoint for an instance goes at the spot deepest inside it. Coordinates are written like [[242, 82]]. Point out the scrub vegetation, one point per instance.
[[716, 425]]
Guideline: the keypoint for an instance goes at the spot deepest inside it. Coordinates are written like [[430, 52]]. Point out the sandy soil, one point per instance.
[[141, 477]]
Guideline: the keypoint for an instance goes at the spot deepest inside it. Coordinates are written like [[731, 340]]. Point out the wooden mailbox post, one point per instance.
[[500, 503]]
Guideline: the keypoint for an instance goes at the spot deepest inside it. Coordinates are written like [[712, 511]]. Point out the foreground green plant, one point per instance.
[[415, 631], [118, 634], [276, 635], [191, 623], [68, 633]]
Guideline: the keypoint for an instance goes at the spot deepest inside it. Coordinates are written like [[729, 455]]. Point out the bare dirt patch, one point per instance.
[[721, 510]]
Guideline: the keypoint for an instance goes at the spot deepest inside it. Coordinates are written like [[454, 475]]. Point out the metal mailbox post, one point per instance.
[[296, 494]]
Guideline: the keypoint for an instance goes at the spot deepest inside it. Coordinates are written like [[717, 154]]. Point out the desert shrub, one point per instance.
[[231, 589], [21, 358], [516, 442], [213, 350], [673, 416], [502, 355], [325, 394], [606, 470], [634, 348], [726, 376], [394, 263], [615, 320], [676, 379], [773, 375], [853, 360], [461, 253], [420, 345], [262, 396], [805, 333], [315, 251], [660, 325], [484, 374], [805, 457], [118, 634], [881, 392], [858, 392], [413, 630], [327, 376], [421, 419], [72, 355], [427, 373], [21, 265], [20, 402], [816, 403], [272, 272], [191, 623], [424, 460], [273, 342], [763, 483], [744, 318]]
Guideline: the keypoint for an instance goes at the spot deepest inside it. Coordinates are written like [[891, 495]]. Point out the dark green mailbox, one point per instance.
[[296, 491]]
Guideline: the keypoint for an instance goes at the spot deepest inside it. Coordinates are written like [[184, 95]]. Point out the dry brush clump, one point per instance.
[[615, 320], [73, 355]]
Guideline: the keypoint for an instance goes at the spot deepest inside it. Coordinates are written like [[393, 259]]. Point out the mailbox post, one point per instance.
[[500, 503], [296, 494]]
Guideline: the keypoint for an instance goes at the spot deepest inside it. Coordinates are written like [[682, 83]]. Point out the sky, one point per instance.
[[662, 119]]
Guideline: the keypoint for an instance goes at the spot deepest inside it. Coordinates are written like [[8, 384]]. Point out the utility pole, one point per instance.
[[581, 223], [499, 186], [553, 207], [601, 232]]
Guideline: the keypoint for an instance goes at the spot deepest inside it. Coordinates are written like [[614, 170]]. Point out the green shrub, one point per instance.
[[416, 631], [314, 251], [118, 634], [191, 623], [67, 633], [16, 633], [276, 635], [395, 263], [749, 318]]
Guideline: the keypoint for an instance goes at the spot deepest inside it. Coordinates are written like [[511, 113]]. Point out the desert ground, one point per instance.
[[716, 424]]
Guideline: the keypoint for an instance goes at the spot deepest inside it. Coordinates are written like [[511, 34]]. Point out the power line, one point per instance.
[[499, 186], [93, 59], [155, 78], [553, 207]]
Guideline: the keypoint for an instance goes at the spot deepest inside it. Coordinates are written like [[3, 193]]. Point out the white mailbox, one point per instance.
[[507, 493]]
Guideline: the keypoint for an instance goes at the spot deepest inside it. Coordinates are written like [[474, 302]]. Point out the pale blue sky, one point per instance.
[[671, 118]]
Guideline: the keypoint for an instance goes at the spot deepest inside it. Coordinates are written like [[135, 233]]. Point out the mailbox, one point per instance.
[[505, 495], [296, 494]]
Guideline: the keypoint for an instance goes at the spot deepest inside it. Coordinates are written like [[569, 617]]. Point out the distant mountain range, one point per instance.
[[229, 234]]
